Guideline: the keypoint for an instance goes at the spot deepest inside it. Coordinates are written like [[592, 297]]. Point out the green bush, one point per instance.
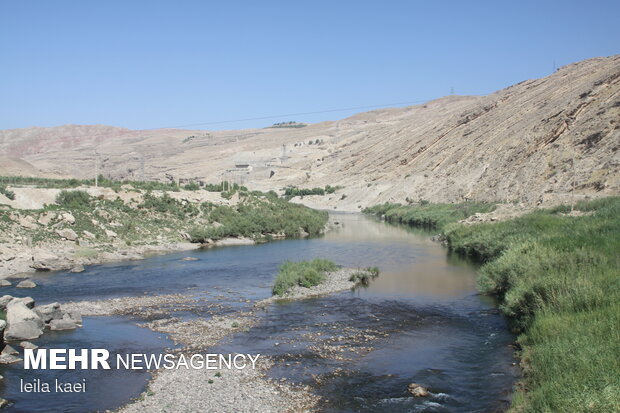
[[256, 216], [168, 205], [192, 186], [304, 273], [73, 199], [364, 277], [7, 192]]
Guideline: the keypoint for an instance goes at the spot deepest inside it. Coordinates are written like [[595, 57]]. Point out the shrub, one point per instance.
[[364, 277], [192, 186], [7, 192], [73, 199], [304, 273]]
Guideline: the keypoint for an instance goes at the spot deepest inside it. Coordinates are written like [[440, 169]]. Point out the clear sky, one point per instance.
[[147, 64]]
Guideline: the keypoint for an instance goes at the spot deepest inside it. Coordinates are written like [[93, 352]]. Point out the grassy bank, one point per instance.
[[154, 218], [428, 215], [557, 279], [304, 273]]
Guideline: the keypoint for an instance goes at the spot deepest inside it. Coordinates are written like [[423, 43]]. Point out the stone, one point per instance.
[[189, 259], [49, 312], [27, 301], [8, 350], [417, 391], [2, 325], [26, 284], [73, 316], [77, 268], [9, 359], [111, 233], [303, 233], [88, 235], [28, 345], [4, 300], [46, 261], [63, 324], [67, 233], [3, 402], [28, 222], [5, 283], [46, 217], [22, 322], [68, 218]]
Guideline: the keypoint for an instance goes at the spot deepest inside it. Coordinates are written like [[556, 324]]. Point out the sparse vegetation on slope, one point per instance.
[[556, 278]]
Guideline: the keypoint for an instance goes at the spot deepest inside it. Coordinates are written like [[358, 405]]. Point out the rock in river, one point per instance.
[[49, 312], [26, 284], [417, 390], [64, 324], [28, 345], [5, 283]]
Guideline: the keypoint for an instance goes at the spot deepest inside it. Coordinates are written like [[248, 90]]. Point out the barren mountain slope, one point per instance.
[[531, 142]]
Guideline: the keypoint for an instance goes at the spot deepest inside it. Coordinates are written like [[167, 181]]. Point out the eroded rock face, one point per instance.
[[22, 322]]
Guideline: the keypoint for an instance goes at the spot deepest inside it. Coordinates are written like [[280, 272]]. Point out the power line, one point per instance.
[[140, 131], [294, 114]]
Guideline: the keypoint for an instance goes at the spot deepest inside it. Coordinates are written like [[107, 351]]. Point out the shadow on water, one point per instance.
[[420, 321]]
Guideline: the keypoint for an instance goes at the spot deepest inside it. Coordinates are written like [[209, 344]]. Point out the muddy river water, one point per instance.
[[421, 321]]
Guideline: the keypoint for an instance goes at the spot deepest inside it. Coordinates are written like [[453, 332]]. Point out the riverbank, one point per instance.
[[68, 229], [203, 390], [554, 273]]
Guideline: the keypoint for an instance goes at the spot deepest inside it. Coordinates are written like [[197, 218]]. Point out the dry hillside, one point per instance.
[[531, 142]]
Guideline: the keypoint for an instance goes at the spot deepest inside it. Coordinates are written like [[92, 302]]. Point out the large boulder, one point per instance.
[[22, 322], [67, 233], [5, 283], [49, 312], [46, 261]]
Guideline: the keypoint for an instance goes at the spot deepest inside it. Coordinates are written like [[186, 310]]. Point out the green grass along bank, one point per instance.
[[81, 229], [556, 276]]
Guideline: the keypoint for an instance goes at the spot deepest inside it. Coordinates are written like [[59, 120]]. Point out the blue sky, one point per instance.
[[147, 64]]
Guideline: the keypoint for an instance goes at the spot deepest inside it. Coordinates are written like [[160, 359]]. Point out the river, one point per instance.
[[420, 321]]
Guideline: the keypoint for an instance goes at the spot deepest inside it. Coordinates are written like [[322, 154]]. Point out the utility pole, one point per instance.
[[96, 169]]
